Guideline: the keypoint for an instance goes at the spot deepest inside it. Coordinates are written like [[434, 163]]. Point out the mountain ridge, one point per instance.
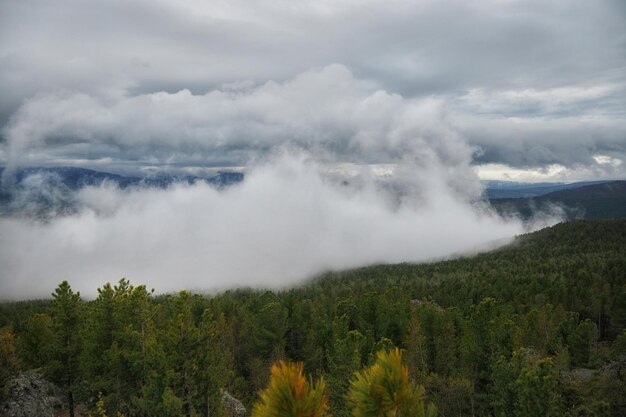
[[592, 201]]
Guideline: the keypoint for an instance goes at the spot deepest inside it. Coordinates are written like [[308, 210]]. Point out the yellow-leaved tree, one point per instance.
[[291, 394], [385, 390]]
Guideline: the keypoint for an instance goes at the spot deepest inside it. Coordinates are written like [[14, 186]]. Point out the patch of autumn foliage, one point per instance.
[[291, 394], [385, 390]]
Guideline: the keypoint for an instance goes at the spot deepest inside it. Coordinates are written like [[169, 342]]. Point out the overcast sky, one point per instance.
[[535, 89]]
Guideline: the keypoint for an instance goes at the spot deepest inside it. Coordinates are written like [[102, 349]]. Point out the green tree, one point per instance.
[[37, 341], [8, 358], [537, 390], [525, 385], [214, 365], [343, 359], [453, 396], [65, 311], [181, 342], [416, 349], [119, 327], [583, 343]]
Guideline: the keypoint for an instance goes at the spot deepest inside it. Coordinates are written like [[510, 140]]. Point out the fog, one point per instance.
[[290, 219]]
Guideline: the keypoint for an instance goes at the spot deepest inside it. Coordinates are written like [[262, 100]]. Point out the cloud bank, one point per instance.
[[286, 222], [326, 111], [529, 83]]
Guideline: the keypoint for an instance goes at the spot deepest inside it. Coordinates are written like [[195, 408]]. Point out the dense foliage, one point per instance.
[[534, 328]]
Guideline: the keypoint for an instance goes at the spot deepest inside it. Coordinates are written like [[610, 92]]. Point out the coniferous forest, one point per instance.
[[536, 328]]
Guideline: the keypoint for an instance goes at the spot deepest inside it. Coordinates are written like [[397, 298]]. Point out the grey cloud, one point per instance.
[[332, 114], [572, 140], [403, 46], [119, 54], [327, 112]]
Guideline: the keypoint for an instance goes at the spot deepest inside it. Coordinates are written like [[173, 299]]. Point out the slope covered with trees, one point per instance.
[[592, 201], [534, 328]]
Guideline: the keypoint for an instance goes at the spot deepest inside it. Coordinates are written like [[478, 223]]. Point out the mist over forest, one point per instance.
[[242, 235]]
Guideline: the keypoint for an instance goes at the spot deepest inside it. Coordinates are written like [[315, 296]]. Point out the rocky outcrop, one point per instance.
[[29, 395], [233, 405]]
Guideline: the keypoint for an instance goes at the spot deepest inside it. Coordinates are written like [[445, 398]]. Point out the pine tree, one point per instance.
[[583, 343], [417, 351], [66, 315], [290, 394], [8, 358], [214, 365], [386, 390], [36, 342], [117, 331]]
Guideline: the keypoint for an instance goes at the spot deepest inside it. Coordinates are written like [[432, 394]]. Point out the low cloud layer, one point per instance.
[[287, 221]]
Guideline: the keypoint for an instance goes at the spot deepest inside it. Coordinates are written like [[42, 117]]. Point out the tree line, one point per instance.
[[504, 333]]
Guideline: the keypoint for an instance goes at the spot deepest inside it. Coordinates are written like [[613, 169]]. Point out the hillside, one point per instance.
[[495, 190], [477, 331], [594, 201]]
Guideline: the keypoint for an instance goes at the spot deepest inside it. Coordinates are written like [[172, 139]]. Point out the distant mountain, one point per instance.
[[72, 178], [76, 178], [509, 189], [45, 192], [591, 201]]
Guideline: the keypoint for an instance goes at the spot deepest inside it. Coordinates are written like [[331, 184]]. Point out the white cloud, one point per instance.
[[504, 172], [607, 160], [606, 169], [285, 223]]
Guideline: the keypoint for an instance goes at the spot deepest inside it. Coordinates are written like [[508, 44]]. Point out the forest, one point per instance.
[[535, 328]]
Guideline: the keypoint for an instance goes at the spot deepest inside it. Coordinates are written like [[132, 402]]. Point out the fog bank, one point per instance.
[[287, 221]]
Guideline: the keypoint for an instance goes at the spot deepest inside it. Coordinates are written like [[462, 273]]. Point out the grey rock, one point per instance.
[[29, 395], [233, 405]]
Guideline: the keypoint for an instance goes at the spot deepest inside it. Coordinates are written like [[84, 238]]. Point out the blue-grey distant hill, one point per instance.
[[590, 201], [45, 192], [75, 178], [508, 189]]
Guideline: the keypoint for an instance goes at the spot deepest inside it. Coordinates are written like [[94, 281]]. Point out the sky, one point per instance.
[[531, 86], [364, 128]]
